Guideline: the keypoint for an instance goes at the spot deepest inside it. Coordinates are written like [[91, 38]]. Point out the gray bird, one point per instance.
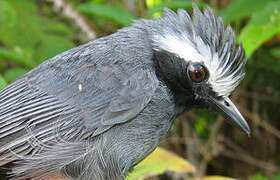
[[95, 111]]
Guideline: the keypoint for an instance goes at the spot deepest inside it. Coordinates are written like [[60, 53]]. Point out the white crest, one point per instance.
[[203, 39]]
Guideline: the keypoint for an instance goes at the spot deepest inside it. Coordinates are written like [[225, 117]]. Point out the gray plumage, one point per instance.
[[95, 111]]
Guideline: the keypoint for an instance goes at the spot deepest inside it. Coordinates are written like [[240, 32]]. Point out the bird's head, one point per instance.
[[198, 58]]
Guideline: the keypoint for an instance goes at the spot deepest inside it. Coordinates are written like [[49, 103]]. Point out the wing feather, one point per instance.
[[46, 107]]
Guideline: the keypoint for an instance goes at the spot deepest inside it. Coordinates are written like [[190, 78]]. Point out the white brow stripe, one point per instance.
[[200, 53], [182, 48]]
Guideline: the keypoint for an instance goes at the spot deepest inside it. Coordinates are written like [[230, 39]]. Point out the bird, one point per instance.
[[95, 111]]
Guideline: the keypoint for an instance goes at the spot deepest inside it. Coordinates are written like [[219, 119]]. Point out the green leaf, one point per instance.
[[258, 177], [98, 1], [12, 56], [264, 25], [7, 13], [240, 9], [275, 52], [152, 3], [3, 83], [200, 126], [115, 14], [157, 163], [14, 73], [215, 178], [34, 33], [173, 5], [276, 176]]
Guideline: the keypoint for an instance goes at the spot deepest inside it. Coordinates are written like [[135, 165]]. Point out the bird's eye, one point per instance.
[[197, 72]]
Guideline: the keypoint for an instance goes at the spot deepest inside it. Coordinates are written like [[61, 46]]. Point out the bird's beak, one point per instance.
[[229, 111]]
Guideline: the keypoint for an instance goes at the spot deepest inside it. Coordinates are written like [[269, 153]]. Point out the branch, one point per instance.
[[63, 8], [264, 124], [250, 160]]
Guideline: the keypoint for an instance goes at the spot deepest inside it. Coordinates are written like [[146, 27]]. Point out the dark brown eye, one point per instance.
[[197, 72]]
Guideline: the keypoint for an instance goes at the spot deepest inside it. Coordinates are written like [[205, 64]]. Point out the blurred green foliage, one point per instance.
[[3, 82], [160, 5], [28, 37], [31, 32], [263, 25], [116, 14], [259, 176]]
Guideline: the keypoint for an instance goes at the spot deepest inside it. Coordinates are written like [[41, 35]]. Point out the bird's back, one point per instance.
[[71, 100]]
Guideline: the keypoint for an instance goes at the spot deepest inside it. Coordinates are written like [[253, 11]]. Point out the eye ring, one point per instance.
[[197, 73]]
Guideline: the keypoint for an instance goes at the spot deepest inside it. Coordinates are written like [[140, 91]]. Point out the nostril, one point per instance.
[[226, 103]]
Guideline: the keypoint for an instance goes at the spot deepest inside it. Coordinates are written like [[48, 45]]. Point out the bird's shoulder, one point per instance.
[[73, 103], [100, 96]]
